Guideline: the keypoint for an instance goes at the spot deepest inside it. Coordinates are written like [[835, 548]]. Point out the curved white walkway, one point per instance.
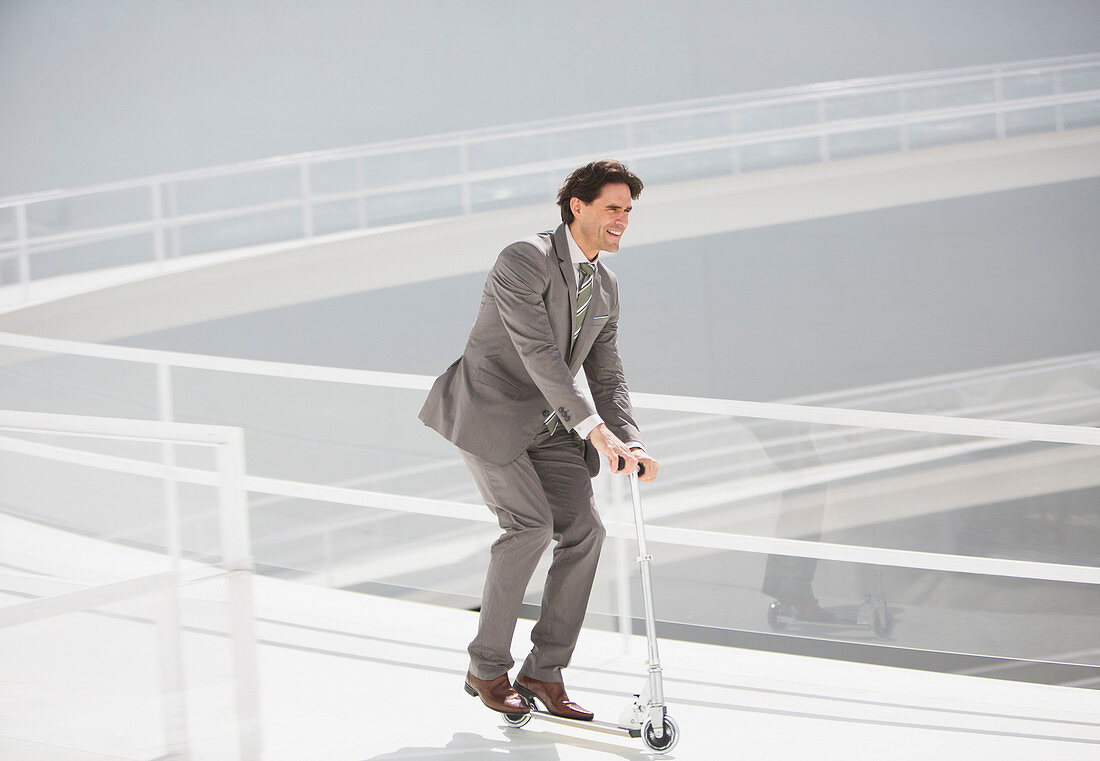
[[349, 677], [201, 287]]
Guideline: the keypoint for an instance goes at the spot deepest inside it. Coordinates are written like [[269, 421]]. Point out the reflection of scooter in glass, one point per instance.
[[645, 717], [873, 613], [788, 579]]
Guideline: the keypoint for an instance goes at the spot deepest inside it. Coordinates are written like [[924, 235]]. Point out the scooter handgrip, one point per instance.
[[622, 464]]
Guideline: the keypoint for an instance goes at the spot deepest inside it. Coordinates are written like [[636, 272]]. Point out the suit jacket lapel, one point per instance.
[[565, 264]]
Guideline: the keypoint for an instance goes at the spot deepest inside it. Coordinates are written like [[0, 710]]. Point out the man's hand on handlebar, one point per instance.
[[620, 458]]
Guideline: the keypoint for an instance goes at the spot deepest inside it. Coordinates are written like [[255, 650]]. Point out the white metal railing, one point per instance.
[[987, 431], [303, 195], [235, 564]]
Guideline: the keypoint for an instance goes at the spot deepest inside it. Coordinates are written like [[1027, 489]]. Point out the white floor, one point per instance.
[[379, 679], [347, 677]]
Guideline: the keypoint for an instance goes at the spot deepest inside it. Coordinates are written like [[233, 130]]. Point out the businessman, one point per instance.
[[532, 439]]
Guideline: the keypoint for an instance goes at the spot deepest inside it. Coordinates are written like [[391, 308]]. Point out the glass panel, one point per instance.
[[865, 142], [1027, 85], [1081, 115], [686, 166], [230, 191], [337, 216], [249, 229], [412, 205], [383, 552], [411, 165], [951, 622], [302, 431], [776, 116], [34, 381], [94, 255], [500, 152], [780, 153], [8, 230], [50, 480], [588, 141], [964, 497], [946, 131], [681, 128], [83, 212], [507, 192], [9, 268], [1079, 79], [861, 105], [70, 513], [335, 176], [1030, 122], [941, 95]]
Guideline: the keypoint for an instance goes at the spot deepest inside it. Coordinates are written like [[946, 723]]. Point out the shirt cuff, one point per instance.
[[586, 426], [636, 445]]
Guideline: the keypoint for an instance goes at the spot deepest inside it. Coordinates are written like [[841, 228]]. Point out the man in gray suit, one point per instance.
[[531, 437]]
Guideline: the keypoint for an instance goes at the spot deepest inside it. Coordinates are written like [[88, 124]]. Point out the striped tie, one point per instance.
[[584, 298]]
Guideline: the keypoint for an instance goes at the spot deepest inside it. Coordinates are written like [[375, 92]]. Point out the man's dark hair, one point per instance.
[[586, 183]]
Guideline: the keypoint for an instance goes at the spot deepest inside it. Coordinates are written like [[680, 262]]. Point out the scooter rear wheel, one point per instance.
[[517, 719]]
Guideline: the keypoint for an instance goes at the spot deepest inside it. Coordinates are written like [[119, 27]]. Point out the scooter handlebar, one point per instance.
[[622, 464]]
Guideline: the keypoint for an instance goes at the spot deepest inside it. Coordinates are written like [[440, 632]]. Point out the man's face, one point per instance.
[[599, 225]]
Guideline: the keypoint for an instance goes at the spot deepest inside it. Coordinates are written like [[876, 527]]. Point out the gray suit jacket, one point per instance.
[[517, 365]]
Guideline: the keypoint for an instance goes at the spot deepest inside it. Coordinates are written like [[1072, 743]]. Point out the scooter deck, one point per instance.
[[595, 724]]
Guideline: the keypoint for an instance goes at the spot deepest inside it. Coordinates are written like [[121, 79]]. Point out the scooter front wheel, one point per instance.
[[666, 742]]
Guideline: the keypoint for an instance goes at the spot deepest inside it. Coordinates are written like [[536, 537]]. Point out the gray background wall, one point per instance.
[[96, 90]]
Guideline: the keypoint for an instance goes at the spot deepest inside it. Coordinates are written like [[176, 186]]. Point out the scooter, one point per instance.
[[646, 717]]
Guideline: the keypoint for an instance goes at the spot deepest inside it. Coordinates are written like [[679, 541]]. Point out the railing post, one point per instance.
[[622, 554], [464, 173], [157, 192], [361, 200], [21, 236], [307, 199], [173, 676], [237, 560], [172, 205], [1059, 109], [735, 148], [999, 98], [903, 106]]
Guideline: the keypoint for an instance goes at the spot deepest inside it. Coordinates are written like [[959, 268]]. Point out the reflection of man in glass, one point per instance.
[[789, 578]]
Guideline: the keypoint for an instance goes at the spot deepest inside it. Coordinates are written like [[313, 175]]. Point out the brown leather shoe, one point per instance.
[[553, 697], [496, 694]]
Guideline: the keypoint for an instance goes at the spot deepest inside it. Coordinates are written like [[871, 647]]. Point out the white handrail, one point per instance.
[[1002, 429], [116, 428], [997, 429], [694, 538], [756, 137]]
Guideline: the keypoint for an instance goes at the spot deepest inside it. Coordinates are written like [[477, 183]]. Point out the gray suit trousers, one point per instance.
[[544, 494]]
